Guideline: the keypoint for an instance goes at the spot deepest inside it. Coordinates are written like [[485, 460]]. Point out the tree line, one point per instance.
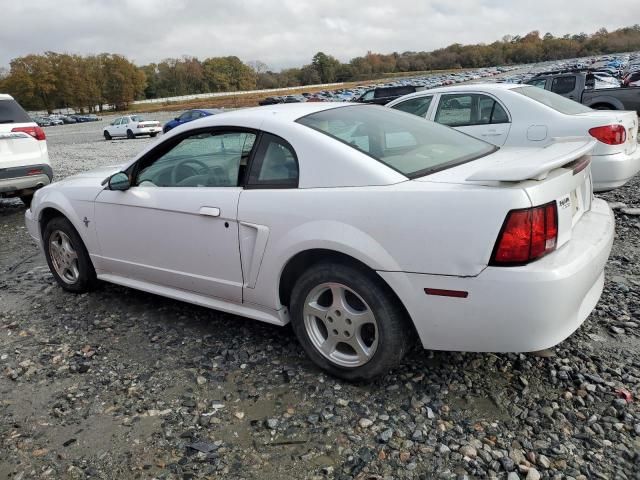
[[58, 80]]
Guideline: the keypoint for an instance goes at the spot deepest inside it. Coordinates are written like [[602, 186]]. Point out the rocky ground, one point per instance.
[[120, 384]]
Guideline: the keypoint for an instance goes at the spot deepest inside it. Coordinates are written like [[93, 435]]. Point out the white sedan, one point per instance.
[[131, 126], [522, 115], [363, 226]]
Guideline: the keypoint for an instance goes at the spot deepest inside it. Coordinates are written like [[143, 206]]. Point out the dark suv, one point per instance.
[[383, 95]]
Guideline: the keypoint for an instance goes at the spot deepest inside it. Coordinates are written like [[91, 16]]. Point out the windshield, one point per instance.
[[408, 144], [137, 118], [552, 100]]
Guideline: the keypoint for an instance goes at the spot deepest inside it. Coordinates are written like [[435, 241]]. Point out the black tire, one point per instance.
[[26, 199], [130, 135], [107, 135], [603, 106], [393, 327], [87, 275], [152, 135]]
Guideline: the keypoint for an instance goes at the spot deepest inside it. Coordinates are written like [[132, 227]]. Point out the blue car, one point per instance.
[[188, 116]]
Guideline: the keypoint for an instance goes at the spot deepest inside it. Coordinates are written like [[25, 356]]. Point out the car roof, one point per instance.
[[289, 112], [4, 96], [470, 87]]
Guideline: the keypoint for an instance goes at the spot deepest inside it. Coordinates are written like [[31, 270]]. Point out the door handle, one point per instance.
[[210, 211]]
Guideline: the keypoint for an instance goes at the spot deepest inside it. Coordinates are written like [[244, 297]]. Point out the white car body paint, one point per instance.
[[436, 231], [533, 124], [121, 125]]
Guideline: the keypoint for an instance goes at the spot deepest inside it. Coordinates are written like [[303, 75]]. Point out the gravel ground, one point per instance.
[[120, 384]]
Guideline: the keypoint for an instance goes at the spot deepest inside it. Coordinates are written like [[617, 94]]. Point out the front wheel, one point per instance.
[[67, 256], [348, 321], [130, 135], [107, 135]]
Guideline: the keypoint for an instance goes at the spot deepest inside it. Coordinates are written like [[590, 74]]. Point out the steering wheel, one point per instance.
[[177, 166]]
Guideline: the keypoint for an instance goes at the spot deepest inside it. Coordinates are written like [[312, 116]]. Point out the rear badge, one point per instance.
[[565, 202]]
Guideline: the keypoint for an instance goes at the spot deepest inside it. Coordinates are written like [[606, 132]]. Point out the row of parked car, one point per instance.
[[56, 119]]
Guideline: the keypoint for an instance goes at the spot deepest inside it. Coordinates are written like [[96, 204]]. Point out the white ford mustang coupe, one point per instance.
[[361, 225]]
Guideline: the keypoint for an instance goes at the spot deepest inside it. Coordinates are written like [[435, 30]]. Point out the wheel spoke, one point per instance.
[[316, 310], [359, 319], [362, 351], [329, 345], [338, 299]]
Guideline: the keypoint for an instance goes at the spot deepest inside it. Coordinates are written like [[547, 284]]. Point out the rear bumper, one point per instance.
[[10, 184], [515, 309], [613, 171], [147, 130]]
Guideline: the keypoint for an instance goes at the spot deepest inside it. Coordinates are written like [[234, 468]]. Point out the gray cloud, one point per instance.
[[286, 32]]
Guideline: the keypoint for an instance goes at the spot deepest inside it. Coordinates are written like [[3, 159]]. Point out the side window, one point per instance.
[[418, 106], [275, 164], [206, 159], [538, 83], [455, 110], [490, 111], [186, 116], [118, 121], [368, 95], [563, 85]]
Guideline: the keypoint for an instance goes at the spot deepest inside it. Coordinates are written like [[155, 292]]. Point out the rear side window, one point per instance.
[[417, 106], [275, 164], [12, 112], [393, 91], [562, 85], [552, 100], [538, 83]]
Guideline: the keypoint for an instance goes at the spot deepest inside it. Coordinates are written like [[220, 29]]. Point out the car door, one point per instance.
[[176, 225], [476, 114], [113, 127], [566, 86]]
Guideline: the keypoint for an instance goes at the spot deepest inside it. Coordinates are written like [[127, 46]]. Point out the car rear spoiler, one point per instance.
[[536, 164]]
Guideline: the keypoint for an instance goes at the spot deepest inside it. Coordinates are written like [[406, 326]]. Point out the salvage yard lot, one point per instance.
[[123, 384]]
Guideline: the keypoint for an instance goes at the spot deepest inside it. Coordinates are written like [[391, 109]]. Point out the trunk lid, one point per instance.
[[559, 172]]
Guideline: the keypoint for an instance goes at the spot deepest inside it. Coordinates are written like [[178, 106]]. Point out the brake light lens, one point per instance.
[[609, 134], [526, 235], [35, 132]]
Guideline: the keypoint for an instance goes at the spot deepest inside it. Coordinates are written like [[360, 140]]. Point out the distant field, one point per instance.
[[236, 100]]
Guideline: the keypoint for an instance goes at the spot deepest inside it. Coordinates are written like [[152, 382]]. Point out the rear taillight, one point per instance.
[[609, 134], [526, 235], [35, 132]]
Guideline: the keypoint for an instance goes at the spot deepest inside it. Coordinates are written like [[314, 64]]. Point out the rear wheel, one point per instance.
[[67, 256], [603, 106], [130, 135], [107, 135], [348, 322]]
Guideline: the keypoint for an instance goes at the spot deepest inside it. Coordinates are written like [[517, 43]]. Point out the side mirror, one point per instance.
[[119, 181]]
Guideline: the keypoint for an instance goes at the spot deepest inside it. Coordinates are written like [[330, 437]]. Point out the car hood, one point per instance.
[[92, 177]]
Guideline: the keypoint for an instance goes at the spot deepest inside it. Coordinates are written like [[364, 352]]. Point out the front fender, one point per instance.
[[76, 211]]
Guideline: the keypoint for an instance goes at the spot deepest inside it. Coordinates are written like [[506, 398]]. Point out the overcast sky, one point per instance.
[[287, 32]]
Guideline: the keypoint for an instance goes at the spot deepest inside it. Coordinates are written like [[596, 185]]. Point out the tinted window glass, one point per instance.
[[490, 111], [418, 106], [537, 83], [561, 85], [405, 143], [393, 91], [275, 163], [211, 159], [11, 112], [553, 100]]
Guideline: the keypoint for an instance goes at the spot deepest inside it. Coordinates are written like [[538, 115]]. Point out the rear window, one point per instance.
[[402, 141], [12, 112], [552, 100]]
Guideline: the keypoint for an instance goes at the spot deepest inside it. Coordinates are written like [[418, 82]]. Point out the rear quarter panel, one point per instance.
[[436, 228]]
